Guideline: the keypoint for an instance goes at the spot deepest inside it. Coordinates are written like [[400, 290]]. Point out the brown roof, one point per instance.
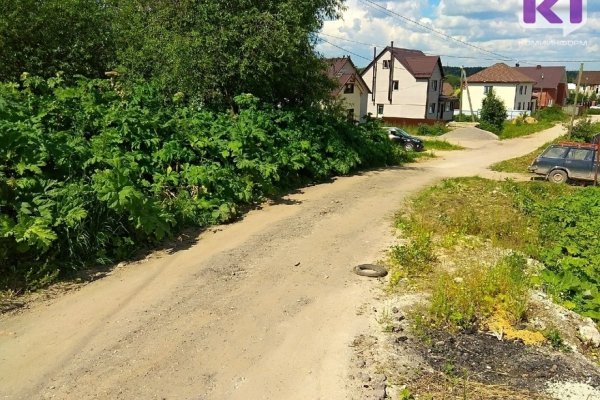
[[590, 78], [545, 77], [334, 72], [500, 73], [414, 61]]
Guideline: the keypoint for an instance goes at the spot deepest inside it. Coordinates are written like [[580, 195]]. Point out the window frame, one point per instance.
[[380, 106]]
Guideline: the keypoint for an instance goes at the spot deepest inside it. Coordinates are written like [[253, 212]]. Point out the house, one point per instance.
[[351, 88], [406, 87], [590, 82], [514, 88], [448, 96], [551, 85]]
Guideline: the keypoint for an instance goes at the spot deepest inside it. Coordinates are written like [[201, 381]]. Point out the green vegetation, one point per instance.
[[90, 172], [554, 224], [585, 130], [210, 50], [493, 113], [464, 299], [441, 145], [546, 118], [437, 129], [520, 164]]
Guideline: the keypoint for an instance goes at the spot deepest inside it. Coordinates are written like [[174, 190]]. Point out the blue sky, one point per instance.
[[492, 25]]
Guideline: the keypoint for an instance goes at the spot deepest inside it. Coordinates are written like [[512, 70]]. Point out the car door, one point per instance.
[[580, 163]]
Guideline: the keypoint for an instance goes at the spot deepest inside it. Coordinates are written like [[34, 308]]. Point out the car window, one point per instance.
[[555, 152], [581, 154]]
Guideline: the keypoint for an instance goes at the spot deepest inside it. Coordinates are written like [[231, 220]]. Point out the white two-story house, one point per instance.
[[351, 89], [510, 85], [406, 86]]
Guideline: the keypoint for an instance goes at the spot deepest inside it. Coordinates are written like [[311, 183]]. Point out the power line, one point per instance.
[[372, 4], [343, 49]]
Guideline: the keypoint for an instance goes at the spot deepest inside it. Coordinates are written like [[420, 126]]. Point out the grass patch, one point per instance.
[[472, 296], [512, 131], [463, 218], [424, 129], [520, 164], [546, 117], [441, 145]]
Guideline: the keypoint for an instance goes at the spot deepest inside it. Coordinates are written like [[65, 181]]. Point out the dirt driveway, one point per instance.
[[261, 309]]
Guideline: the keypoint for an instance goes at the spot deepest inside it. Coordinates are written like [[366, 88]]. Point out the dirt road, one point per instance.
[[261, 309]]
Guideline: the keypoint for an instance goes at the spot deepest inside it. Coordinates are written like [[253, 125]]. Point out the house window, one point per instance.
[[487, 89], [434, 85], [519, 106], [521, 90], [396, 85], [350, 114], [349, 88], [386, 64], [525, 89], [379, 109], [448, 106], [432, 108]]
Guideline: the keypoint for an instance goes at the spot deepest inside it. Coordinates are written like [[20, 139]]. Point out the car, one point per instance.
[[597, 107], [410, 143], [567, 161]]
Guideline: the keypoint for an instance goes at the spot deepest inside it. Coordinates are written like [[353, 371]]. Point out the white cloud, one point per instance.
[[467, 20]]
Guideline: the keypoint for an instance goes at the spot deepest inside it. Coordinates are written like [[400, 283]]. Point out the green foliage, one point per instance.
[[414, 258], [568, 229], [465, 118], [90, 172], [584, 130], [554, 113], [214, 50], [45, 37], [493, 113]]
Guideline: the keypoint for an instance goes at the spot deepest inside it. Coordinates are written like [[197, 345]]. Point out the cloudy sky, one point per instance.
[[493, 25]]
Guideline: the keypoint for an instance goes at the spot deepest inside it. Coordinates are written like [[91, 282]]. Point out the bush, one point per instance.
[[89, 173], [585, 130], [493, 113], [465, 118]]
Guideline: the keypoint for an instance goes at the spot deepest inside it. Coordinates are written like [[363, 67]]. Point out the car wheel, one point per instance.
[[558, 176], [409, 147]]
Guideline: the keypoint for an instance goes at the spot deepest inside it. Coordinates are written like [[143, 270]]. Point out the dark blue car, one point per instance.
[[564, 161]]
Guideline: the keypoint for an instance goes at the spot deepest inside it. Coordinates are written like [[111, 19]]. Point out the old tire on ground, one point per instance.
[[370, 270], [558, 176]]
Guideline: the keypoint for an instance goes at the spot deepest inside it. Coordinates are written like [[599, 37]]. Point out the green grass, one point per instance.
[[466, 224], [512, 131], [520, 164], [441, 145]]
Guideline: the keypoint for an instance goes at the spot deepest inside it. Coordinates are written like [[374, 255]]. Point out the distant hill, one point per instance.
[[456, 70]]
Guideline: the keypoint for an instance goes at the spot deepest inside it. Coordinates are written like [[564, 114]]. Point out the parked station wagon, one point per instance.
[[564, 161]]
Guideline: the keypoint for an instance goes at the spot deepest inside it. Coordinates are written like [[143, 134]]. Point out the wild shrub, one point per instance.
[[90, 172]]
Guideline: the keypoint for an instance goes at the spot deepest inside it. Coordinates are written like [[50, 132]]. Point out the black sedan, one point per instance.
[[410, 143]]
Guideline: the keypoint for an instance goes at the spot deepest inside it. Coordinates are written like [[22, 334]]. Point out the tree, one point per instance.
[[493, 113], [45, 37], [214, 50]]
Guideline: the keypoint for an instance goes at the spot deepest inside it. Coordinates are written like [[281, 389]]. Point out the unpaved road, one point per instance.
[[261, 309]]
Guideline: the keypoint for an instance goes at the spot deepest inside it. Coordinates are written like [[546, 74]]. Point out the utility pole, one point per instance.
[[462, 92], [373, 96], [575, 105], [391, 83], [463, 76]]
